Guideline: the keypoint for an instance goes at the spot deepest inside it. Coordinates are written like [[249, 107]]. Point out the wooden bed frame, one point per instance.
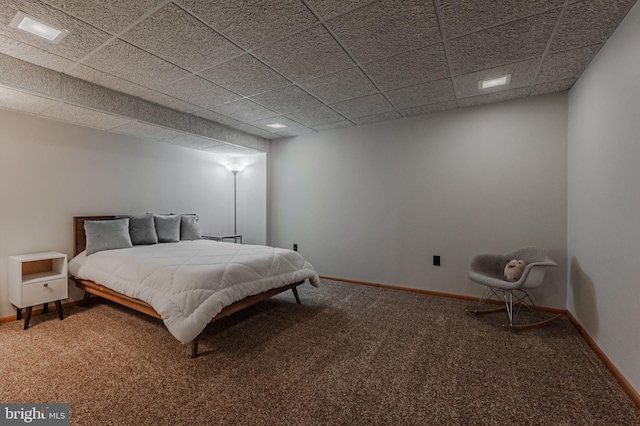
[[90, 287]]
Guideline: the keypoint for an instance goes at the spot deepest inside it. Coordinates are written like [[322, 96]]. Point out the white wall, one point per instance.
[[51, 171], [375, 203], [604, 198]]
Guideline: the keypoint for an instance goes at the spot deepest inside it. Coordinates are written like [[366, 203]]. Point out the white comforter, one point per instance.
[[190, 282]]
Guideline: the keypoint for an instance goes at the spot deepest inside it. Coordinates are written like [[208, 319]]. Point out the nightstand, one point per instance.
[[35, 279], [232, 238]]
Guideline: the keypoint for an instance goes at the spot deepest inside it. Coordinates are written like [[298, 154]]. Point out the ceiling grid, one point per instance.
[[226, 69]]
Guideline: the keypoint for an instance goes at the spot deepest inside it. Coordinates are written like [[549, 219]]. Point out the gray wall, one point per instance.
[[604, 199], [375, 203], [51, 171]]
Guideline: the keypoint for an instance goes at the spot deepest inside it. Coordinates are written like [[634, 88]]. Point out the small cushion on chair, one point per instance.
[[514, 269]]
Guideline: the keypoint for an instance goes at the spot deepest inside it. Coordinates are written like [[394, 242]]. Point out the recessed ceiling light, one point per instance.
[[34, 26], [494, 82], [276, 125]]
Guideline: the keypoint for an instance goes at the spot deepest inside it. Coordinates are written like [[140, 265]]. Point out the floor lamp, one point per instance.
[[235, 168]]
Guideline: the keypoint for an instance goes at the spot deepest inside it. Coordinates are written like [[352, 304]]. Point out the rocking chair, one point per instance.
[[488, 269]]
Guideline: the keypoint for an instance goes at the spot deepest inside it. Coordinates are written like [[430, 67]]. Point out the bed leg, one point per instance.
[[85, 299], [194, 348], [295, 293]]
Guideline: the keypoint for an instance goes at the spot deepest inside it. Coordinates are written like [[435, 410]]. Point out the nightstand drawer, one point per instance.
[[44, 292]]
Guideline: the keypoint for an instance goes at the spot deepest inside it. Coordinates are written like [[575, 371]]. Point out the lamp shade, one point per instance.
[[235, 167]]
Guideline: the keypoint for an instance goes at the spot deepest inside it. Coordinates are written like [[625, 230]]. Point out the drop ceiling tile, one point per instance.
[[378, 117], [489, 48], [193, 142], [201, 92], [174, 35], [82, 38], [32, 78], [231, 150], [264, 124], [340, 86], [146, 131], [494, 97], [24, 102], [209, 129], [84, 116], [428, 109], [243, 139], [295, 132], [287, 99], [386, 28], [214, 116], [116, 83], [154, 113], [166, 100], [91, 95], [588, 22], [410, 68], [329, 8], [362, 107], [332, 126], [256, 23], [245, 75], [33, 55], [422, 94], [305, 55], [101, 78], [553, 87], [559, 66], [256, 131], [316, 116], [110, 15], [133, 64], [522, 75], [465, 16], [244, 110]]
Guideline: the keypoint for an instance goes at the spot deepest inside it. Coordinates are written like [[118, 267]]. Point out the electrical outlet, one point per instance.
[[295, 247], [436, 260]]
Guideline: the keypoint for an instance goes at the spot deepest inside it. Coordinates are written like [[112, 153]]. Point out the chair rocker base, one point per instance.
[[488, 311], [511, 307], [532, 324]]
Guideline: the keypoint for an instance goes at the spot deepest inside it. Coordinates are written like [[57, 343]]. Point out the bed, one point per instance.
[[187, 284]]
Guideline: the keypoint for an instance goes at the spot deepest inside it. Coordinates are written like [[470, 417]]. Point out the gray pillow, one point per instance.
[[107, 235], [189, 228], [142, 229], [167, 228]]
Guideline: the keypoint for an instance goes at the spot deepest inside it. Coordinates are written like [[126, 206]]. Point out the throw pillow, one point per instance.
[[107, 235], [167, 228]]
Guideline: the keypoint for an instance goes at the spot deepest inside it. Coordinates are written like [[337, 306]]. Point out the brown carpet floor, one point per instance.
[[349, 355]]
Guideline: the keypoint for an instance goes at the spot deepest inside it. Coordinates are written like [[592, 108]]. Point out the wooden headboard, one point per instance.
[[79, 238]]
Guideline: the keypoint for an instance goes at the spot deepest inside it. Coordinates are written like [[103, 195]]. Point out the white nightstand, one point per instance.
[[35, 279]]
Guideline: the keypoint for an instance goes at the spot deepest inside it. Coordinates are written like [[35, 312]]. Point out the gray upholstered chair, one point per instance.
[[488, 270]]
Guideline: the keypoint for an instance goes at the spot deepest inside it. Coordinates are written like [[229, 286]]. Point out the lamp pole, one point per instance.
[[235, 220], [235, 168]]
